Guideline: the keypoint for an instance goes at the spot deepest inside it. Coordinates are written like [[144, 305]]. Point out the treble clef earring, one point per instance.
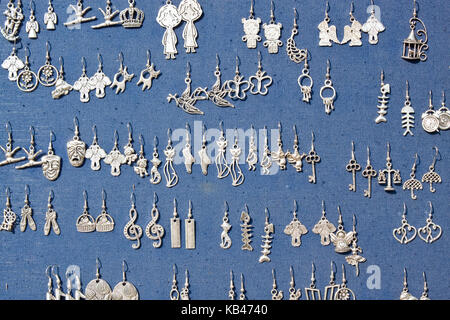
[[131, 231], [235, 169], [27, 213], [155, 176], [48, 73], [305, 89], [260, 82], [412, 183], [27, 80], [328, 85], [169, 170], [153, 230], [431, 176], [406, 232]]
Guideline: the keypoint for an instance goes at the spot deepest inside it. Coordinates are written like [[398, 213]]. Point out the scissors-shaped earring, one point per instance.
[[431, 176], [260, 82], [412, 183], [406, 232]]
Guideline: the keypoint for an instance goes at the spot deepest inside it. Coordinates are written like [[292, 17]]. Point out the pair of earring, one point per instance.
[[86, 223], [432, 120], [175, 228], [272, 31], [175, 294], [58, 293], [405, 295], [169, 17], [407, 233], [130, 17], [232, 292], [352, 33], [294, 294], [14, 17]]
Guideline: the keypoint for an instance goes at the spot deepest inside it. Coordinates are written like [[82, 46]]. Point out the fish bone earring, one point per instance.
[[223, 169], [76, 148], [295, 229], [190, 11], [121, 74], [260, 82], [104, 221], [279, 156], [48, 73], [51, 163], [155, 176], [225, 240], [312, 158], [27, 80], [341, 239], [79, 13], [50, 17], [132, 231], [246, 228], [148, 74], [430, 118], [14, 17], [9, 151], [62, 88], [218, 90], [407, 114], [9, 217], [50, 217], [385, 89], [352, 167], [406, 232], [85, 222], [13, 64], [115, 158], [235, 170], [324, 228], [444, 115], [205, 160], [26, 216], [355, 259], [275, 293], [252, 157], [415, 45], [389, 176], [305, 89], [124, 290], [128, 150], [295, 54], [189, 159], [141, 165], [431, 176], [412, 183], [328, 85], [168, 18], [251, 29], [431, 231], [99, 81], [153, 230], [267, 239], [369, 173], [312, 293], [108, 15], [169, 170], [189, 225], [373, 26], [32, 25], [83, 84], [352, 33], [327, 33], [272, 32], [266, 160], [32, 155], [95, 153], [98, 289]]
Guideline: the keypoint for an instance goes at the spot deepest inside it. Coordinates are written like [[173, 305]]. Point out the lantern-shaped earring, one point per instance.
[[415, 45]]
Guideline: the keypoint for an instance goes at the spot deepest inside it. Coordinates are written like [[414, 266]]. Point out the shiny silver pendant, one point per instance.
[[108, 16], [407, 114], [14, 18], [389, 176], [328, 101], [295, 229], [324, 228], [13, 64], [223, 168], [51, 217], [431, 231], [225, 240], [95, 153], [327, 33], [275, 293], [312, 293], [266, 160], [260, 82], [168, 18], [26, 213], [79, 13], [32, 26], [252, 157], [235, 170], [352, 33], [272, 33], [99, 81], [352, 167], [267, 239], [124, 290], [148, 74], [153, 230], [279, 156], [295, 158], [9, 151], [373, 26], [115, 158], [190, 11], [76, 148], [430, 118], [62, 88], [155, 176], [98, 289], [369, 173], [132, 17], [121, 77], [341, 239], [306, 89], [83, 84], [51, 163], [85, 222], [312, 158], [205, 160], [50, 17], [189, 225], [27, 80], [169, 170], [412, 183], [128, 150], [295, 54], [48, 73], [132, 231], [189, 159], [104, 222], [406, 232], [431, 176], [344, 293], [385, 89], [251, 29], [141, 164], [218, 90], [9, 217], [246, 230]]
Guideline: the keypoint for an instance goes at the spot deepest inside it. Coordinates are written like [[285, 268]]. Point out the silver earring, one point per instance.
[[405, 295], [295, 229], [175, 228], [238, 87], [389, 176], [414, 48], [76, 148], [189, 159], [272, 32], [266, 160], [369, 172], [51, 163], [95, 153], [62, 88], [104, 221], [121, 74], [406, 232], [279, 156], [424, 295], [352, 33], [49, 295], [412, 183], [27, 80], [444, 115], [355, 259], [235, 170], [32, 26], [430, 118], [78, 293], [108, 16], [169, 170], [9, 151], [189, 225], [50, 17], [231, 292], [58, 291], [155, 176], [312, 158], [242, 290], [267, 239], [223, 169], [131, 231], [99, 81], [27, 213], [50, 217], [115, 158], [407, 114], [385, 89], [83, 84], [276, 294], [341, 239], [168, 18], [13, 64], [14, 18], [141, 165], [332, 287], [327, 33], [373, 26], [132, 17], [305, 89], [124, 290], [294, 294], [79, 14], [225, 240], [344, 293], [260, 82], [174, 293], [252, 157], [153, 230], [151, 72], [328, 85], [98, 289], [431, 176], [218, 90], [31, 153], [85, 222], [9, 217], [68, 294], [431, 231], [48, 73], [190, 11], [352, 167], [312, 293], [246, 229], [184, 294], [295, 54], [324, 228], [128, 150], [205, 160], [251, 29]]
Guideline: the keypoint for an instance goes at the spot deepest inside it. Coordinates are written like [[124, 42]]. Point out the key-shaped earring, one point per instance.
[[32, 25], [51, 163], [218, 90], [151, 72], [344, 293], [50, 217], [124, 290], [8, 150], [431, 176], [115, 158], [231, 292], [79, 13], [312, 158], [328, 85], [141, 165], [267, 239], [174, 293], [85, 222], [13, 64], [155, 176], [27, 213], [99, 81], [205, 160], [31, 153], [294, 294], [189, 159], [295, 54], [431, 231], [83, 84], [190, 11], [279, 156], [175, 227], [272, 32], [225, 240], [373, 26], [76, 148], [275, 293], [184, 294], [168, 18], [252, 157], [352, 33], [128, 150], [48, 73], [27, 80], [405, 295], [153, 230], [260, 82], [246, 229], [251, 29], [430, 118], [242, 290], [169, 170], [385, 89], [424, 295], [238, 87], [332, 287], [355, 259], [121, 77], [406, 232], [412, 183], [132, 231], [389, 176], [50, 17], [341, 239], [189, 225], [312, 293], [62, 88], [266, 160], [108, 15], [104, 221], [235, 170], [95, 153], [327, 33], [324, 228], [305, 89], [407, 114], [295, 229], [223, 169], [352, 167], [369, 172]]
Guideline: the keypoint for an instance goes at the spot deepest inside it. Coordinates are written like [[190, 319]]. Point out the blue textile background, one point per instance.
[[355, 72]]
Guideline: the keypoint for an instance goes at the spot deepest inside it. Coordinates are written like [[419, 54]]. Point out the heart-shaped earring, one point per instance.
[[431, 231], [403, 233]]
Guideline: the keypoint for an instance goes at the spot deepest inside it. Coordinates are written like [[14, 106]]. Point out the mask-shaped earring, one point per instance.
[[341, 239], [406, 232], [431, 176], [168, 18], [352, 33], [62, 88], [431, 231], [50, 17], [95, 153], [430, 119], [312, 158], [51, 163], [49, 295], [223, 169], [14, 18], [385, 89], [272, 32], [294, 294], [266, 160], [412, 183], [128, 150], [276, 294], [328, 85], [218, 90], [189, 225], [83, 84], [373, 26], [151, 72], [332, 287], [58, 291], [27, 213], [389, 176], [324, 228], [174, 293], [225, 240], [414, 48], [251, 29], [13, 64], [32, 26], [189, 159], [327, 33], [121, 74], [155, 176], [141, 165], [295, 54], [267, 239], [305, 89], [190, 11], [27, 80], [405, 295], [252, 157], [175, 228], [104, 221], [31, 153], [238, 87], [184, 294], [169, 170], [50, 217], [115, 158], [79, 13], [407, 114], [108, 15], [352, 167], [424, 295], [124, 290], [98, 289], [9, 217], [246, 228], [344, 293], [131, 231], [444, 115], [153, 230], [279, 156], [260, 82], [312, 293], [205, 160], [235, 170], [76, 148], [99, 81], [85, 222], [9, 151], [369, 172], [231, 292], [355, 259], [48, 73], [295, 229]]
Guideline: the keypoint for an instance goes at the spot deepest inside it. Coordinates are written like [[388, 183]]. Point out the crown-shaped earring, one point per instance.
[[132, 17]]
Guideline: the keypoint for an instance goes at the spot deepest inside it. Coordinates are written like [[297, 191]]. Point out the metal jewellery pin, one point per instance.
[[9, 217], [141, 165], [235, 170], [341, 239], [385, 89], [219, 90], [148, 74], [295, 54], [99, 81], [294, 294], [430, 118], [312, 293], [327, 33], [369, 172], [121, 77], [260, 82], [115, 158], [424, 295], [8, 150], [128, 150], [189, 225], [237, 87], [132, 17], [79, 12], [32, 25], [373, 26], [242, 290], [251, 29], [50, 217], [312, 158], [246, 229], [76, 148], [50, 17], [344, 293], [175, 228], [13, 64], [328, 85], [305, 89], [352, 167], [132, 231], [431, 176], [415, 45], [189, 159], [184, 294], [352, 32], [48, 73], [332, 287], [279, 156], [27, 80], [62, 88], [169, 170], [431, 231], [26, 213], [412, 183], [205, 160], [231, 292], [444, 115], [225, 240], [266, 160], [85, 222], [252, 157], [14, 17], [389, 176], [190, 11], [98, 289], [267, 239], [272, 32], [104, 221], [275, 293], [406, 232], [153, 230], [223, 168], [155, 176], [108, 15], [355, 259], [407, 114], [51, 163], [405, 295], [83, 84], [168, 18], [174, 293], [324, 228], [295, 228], [95, 153], [124, 290]]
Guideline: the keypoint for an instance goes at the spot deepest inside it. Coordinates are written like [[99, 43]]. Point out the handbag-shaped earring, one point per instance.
[[85, 222]]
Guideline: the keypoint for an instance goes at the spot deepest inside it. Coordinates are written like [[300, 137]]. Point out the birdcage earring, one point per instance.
[[415, 45]]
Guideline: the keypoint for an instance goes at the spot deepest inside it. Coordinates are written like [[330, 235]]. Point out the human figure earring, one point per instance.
[[151, 72], [327, 33], [85, 222], [324, 228], [415, 45], [174, 293], [405, 295], [218, 90], [83, 84], [13, 64], [190, 11], [99, 81], [153, 230], [260, 82], [205, 160], [9, 217], [279, 156], [412, 183], [62, 88], [252, 157], [267, 239], [79, 12], [295, 54], [369, 172], [223, 169], [341, 239], [332, 287], [50, 17], [235, 170], [328, 85], [189, 159], [141, 165], [295, 229], [355, 259], [8, 150], [385, 89], [294, 294], [272, 32], [76, 148], [132, 231], [373, 26], [238, 87], [344, 293], [275, 293], [124, 290], [406, 232], [444, 115], [168, 18], [108, 15], [352, 167], [14, 18], [27, 80], [431, 231], [115, 158], [32, 26], [225, 240], [48, 73], [389, 176], [312, 293], [251, 29], [431, 176], [407, 114], [305, 89], [169, 170], [246, 228], [95, 153], [27, 213], [98, 289], [121, 77], [104, 222], [352, 33], [312, 158], [184, 294], [266, 160], [50, 217], [51, 163], [424, 295], [128, 150], [155, 176]]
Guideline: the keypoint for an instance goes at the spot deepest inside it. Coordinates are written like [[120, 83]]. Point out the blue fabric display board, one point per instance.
[[355, 72]]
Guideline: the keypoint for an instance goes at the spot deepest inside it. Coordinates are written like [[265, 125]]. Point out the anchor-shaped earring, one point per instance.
[[431, 176], [401, 233], [31, 153], [121, 74], [412, 183], [426, 232], [151, 72], [9, 151]]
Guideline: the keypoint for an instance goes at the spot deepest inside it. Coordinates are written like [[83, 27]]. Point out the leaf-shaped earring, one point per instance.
[[431, 231], [295, 54], [431, 176], [406, 232]]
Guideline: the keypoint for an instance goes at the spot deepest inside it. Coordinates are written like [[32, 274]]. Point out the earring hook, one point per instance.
[[121, 59], [404, 209], [148, 57], [116, 138], [226, 206], [51, 196], [431, 209], [323, 208], [259, 60], [155, 198], [85, 199], [133, 196], [188, 68], [155, 142], [246, 208]]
